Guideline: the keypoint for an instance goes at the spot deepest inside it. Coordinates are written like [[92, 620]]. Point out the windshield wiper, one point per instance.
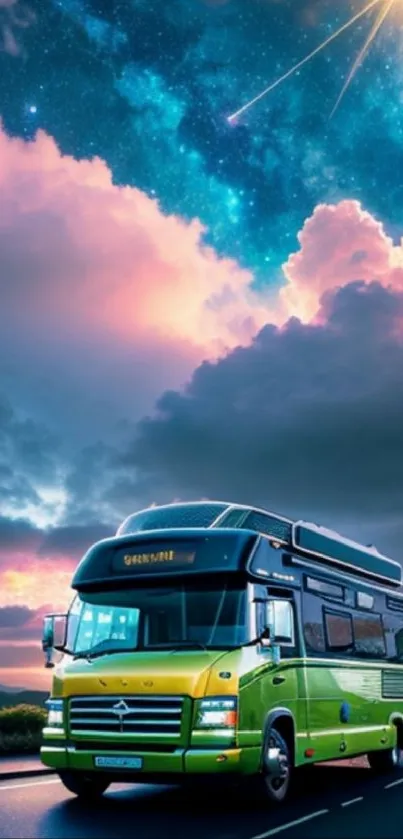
[[178, 645], [95, 652]]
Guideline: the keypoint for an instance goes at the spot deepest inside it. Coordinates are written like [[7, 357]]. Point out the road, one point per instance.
[[331, 802]]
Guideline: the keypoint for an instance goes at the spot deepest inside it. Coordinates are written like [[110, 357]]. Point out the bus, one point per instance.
[[219, 641]]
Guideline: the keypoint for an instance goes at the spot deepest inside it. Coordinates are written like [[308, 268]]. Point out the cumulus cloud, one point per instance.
[[307, 420], [111, 299], [339, 244]]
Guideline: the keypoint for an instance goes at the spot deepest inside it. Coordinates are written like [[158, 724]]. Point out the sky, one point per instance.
[[193, 307]]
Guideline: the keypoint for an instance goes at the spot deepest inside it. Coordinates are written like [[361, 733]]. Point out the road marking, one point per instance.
[[29, 784], [352, 801], [290, 824], [394, 783]]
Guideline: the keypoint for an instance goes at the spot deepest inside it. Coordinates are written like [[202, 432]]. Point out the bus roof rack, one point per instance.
[[329, 548], [319, 544]]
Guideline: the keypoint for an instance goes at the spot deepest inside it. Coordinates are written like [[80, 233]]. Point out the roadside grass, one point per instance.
[[21, 729]]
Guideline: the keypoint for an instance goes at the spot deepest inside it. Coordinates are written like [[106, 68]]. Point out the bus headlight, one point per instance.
[[217, 712], [55, 713]]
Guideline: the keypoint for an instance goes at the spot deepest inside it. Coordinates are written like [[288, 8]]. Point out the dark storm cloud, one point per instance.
[[73, 540], [309, 418], [27, 457], [20, 536], [28, 442]]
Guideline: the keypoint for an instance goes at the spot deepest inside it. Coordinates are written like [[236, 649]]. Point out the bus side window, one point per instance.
[[314, 633], [394, 636], [339, 631], [369, 638]]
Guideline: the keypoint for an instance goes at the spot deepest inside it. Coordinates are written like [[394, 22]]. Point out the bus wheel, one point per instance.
[[276, 767], [384, 761], [84, 785]]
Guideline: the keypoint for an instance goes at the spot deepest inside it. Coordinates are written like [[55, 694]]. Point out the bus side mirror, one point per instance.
[[53, 636], [280, 620]]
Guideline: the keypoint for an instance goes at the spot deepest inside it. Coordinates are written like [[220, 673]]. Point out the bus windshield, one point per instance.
[[184, 616]]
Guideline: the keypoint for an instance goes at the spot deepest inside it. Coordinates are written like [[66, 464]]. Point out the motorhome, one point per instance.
[[214, 640]]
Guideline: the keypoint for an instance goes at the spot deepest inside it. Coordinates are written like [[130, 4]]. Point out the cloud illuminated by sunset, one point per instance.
[[127, 270], [122, 263], [339, 244]]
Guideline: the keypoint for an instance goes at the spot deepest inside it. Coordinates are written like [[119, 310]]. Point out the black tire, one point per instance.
[[277, 769], [84, 784], [387, 760]]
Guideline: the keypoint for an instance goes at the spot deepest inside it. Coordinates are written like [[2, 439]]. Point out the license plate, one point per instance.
[[118, 762]]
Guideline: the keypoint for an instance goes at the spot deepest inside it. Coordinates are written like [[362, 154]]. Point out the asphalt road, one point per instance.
[[330, 802]]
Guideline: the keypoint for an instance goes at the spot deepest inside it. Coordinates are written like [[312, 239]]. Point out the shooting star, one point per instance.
[[387, 6], [364, 50]]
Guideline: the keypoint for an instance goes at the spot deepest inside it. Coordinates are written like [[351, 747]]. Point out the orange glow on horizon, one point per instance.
[[37, 586], [31, 678]]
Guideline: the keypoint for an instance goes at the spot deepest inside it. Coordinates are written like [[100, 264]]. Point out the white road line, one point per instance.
[[290, 824], [29, 784], [394, 783], [352, 801]]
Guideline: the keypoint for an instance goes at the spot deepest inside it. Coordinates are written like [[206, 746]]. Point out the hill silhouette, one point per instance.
[[9, 697]]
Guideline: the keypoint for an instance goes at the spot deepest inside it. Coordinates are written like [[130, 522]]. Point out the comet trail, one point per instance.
[[387, 6], [363, 51]]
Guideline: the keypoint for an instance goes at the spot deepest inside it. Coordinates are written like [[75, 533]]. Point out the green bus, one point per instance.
[[213, 640]]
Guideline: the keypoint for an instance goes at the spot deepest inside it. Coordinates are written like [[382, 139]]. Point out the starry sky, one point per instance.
[[191, 307]]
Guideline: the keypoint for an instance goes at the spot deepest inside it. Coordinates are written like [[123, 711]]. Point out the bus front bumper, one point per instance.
[[156, 767]]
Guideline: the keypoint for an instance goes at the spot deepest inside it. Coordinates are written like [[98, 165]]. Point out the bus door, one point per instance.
[[283, 683]]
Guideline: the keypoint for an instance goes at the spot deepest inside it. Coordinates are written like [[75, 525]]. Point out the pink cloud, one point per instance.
[[102, 265], [121, 301], [112, 300], [339, 244], [104, 255]]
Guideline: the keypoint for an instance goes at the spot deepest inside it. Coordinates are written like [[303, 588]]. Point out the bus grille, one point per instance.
[[139, 715]]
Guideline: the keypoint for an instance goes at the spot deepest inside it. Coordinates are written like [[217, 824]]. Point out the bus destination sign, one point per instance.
[[125, 561]]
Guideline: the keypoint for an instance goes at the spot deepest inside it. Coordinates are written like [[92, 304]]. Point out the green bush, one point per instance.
[[21, 729]]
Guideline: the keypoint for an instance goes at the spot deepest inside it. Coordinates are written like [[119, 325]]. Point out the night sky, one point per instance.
[[191, 307]]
